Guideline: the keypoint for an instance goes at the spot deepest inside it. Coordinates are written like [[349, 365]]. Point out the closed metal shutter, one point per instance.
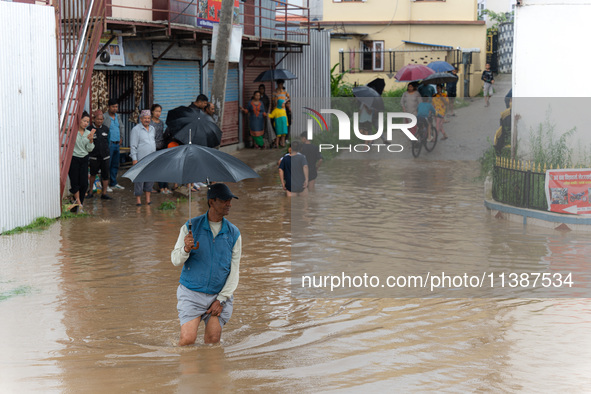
[[176, 83], [231, 110]]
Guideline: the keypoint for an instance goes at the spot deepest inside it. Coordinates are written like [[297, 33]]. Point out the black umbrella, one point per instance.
[[439, 78], [183, 121], [188, 164], [273, 75], [369, 97], [378, 85]]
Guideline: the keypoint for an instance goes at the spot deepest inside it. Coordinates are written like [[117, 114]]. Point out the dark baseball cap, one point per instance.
[[221, 191]]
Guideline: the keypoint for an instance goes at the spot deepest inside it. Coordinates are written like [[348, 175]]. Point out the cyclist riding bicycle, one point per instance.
[[424, 113]]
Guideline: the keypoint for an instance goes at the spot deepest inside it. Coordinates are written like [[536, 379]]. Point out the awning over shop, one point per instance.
[[428, 45]]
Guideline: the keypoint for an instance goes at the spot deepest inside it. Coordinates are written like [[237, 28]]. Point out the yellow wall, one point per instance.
[[463, 36], [400, 10]]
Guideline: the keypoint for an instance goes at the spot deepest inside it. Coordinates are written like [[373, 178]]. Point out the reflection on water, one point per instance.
[[98, 313]]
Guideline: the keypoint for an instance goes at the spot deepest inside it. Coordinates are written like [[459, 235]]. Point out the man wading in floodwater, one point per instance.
[[211, 261]]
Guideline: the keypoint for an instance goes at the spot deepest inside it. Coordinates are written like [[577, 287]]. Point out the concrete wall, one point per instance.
[[385, 10], [549, 55], [29, 146]]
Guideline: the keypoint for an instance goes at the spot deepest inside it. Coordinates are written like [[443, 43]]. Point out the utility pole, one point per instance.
[[222, 53]]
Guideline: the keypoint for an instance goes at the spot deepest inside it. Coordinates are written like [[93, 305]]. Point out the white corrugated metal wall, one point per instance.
[[29, 147], [312, 88]]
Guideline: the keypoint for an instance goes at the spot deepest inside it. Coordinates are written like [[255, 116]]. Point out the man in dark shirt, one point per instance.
[[267, 103], [489, 80], [293, 172], [313, 157], [451, 88], [100, 157], [200, 103]]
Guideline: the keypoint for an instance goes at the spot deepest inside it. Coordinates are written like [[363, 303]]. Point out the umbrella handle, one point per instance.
[[192, 247]]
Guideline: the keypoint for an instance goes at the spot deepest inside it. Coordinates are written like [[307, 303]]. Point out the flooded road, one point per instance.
[[89, 305]]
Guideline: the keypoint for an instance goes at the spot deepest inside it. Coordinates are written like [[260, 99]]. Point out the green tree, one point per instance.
[[496, 17]]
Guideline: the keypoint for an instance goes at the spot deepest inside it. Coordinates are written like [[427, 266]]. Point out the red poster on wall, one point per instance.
[[209, 12], [567, 191]]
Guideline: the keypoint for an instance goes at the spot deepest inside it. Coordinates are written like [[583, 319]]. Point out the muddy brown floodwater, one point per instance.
[[89, 305]]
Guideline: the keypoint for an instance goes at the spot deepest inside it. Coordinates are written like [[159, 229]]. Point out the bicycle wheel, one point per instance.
[[417, 145], [429, 146], [416, 148]]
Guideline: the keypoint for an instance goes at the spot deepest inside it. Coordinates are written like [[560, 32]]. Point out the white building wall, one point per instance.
[[550, 55], [29, 150]]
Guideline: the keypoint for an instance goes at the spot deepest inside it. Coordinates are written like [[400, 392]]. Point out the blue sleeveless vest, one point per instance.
[[208, 267]]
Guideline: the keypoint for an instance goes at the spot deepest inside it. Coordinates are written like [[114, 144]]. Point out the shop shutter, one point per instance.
[[176, 83]]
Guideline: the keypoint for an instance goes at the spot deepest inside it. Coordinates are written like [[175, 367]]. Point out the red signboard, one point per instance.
[[209, 12], [567, 191]]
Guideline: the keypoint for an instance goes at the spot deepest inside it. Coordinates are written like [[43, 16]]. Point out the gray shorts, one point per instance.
[[488, 89], [138, 187], [192, 304]]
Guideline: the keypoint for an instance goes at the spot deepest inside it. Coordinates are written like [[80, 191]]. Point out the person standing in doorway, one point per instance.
[[209, 249], [115, 125], [264, 97], [489, 80], [257, 112], [269, 137]]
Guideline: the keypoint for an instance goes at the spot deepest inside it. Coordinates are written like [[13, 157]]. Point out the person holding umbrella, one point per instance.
[[452, 92], [210, 269], [142, 143], [281, 94]]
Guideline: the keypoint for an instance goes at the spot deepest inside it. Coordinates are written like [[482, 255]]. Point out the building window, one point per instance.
[[372, 58]]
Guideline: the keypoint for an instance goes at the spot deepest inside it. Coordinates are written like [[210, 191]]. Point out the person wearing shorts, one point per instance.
[[100, 157], [489, 80], [293, 171], [209, 249]]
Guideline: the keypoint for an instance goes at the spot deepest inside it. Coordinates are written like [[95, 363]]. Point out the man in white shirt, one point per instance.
[[209, 249]]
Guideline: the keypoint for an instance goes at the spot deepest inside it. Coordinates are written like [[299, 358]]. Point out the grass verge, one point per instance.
[[41, 223]]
